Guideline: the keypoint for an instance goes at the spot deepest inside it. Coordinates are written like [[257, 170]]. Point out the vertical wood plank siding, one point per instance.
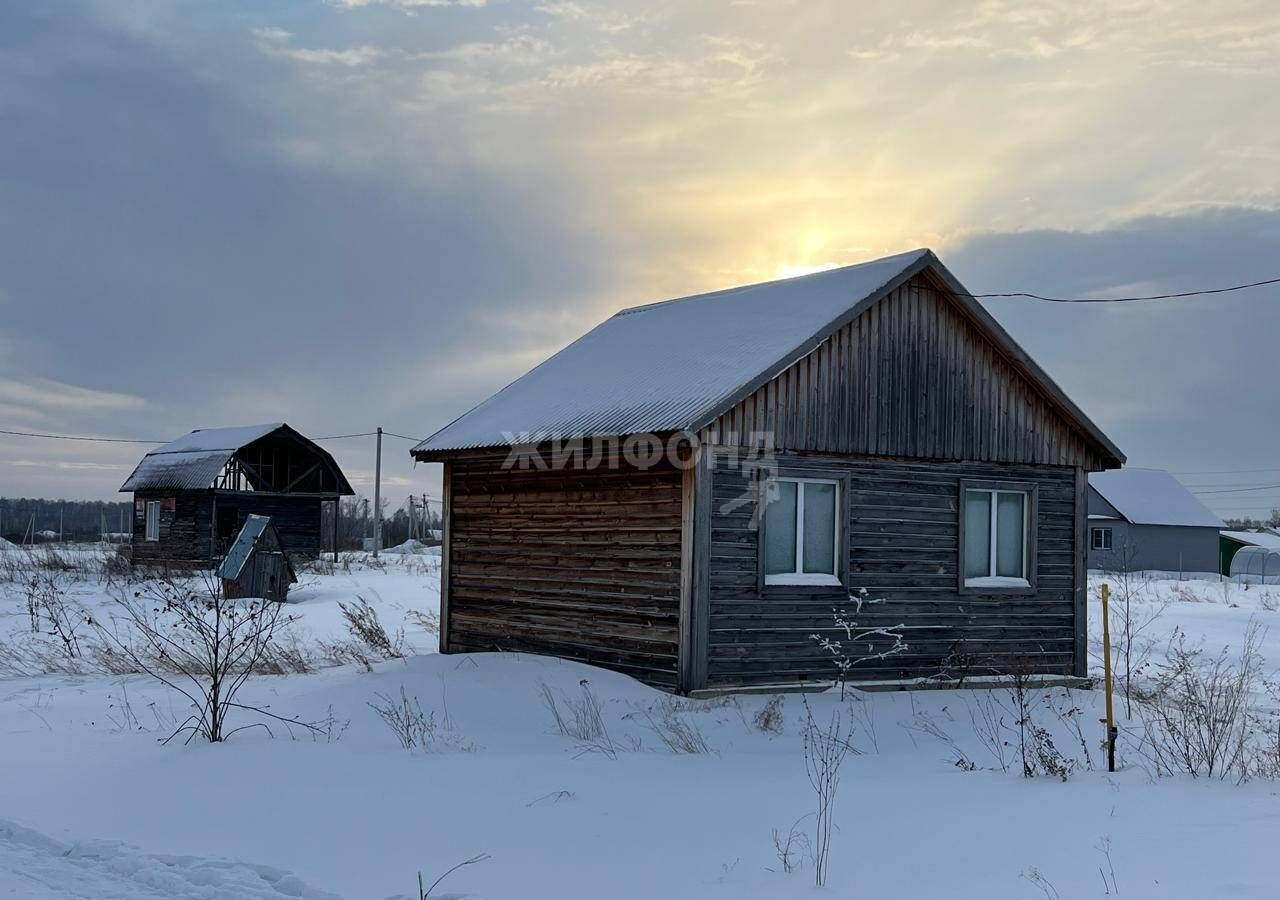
[[911, 377], [901, 536], [578, 564]]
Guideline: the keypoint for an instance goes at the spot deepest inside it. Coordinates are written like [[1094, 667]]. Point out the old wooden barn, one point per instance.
[[696, 485], [192, 496]]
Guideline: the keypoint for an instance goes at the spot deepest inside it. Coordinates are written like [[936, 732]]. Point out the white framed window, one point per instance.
[[153, 520], [1100, 538], [801, 540], [997, 540]]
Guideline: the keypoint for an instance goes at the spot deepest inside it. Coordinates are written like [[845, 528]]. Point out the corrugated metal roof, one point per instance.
[[238, 555], [194, 460], [1152, 497], [667, 366]]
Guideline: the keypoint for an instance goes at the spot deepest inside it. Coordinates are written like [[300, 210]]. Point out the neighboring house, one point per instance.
[[1145, 520], [1230, 542], [191, 497], [741, 464]]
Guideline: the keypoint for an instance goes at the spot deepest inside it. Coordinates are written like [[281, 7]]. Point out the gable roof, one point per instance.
[[1255, 538], [1152, 497], [194, 460], [676, 365]]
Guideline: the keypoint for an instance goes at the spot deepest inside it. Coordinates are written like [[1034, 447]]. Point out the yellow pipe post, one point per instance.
[[1106, 668]]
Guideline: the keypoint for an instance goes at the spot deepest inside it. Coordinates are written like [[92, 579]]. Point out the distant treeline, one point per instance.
[[1247, 524], [34, 519], [75, 520]]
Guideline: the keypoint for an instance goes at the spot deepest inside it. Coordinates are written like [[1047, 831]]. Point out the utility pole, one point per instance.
[[377, 497]]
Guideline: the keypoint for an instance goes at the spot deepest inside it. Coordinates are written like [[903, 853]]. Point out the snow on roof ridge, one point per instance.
[[838, 270]]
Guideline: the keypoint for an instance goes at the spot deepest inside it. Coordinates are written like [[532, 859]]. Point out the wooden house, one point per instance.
[[689, 491], [191, 497], [256, 564]]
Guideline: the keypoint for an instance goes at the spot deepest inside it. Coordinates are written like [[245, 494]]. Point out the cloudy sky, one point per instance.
[[361, 213]]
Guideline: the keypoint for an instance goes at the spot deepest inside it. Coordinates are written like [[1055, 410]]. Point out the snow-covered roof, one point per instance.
[[1152, 497], [194, 460], [1255, 538], [676, 365]]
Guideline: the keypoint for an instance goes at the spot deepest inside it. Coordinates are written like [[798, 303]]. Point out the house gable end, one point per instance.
[[915, 374]]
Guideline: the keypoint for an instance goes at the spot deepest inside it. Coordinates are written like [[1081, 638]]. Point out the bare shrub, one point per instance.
[[428, 621], [1202, 716], [860, 644], [825, 750], [580, 719], [364, 625], [793, 849], [768, 718], [416, 729], [188, 636], [677, 733], [1011, 726], [47, 605], [929, 727]]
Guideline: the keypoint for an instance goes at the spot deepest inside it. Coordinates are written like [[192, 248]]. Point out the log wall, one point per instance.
[[579, 564]]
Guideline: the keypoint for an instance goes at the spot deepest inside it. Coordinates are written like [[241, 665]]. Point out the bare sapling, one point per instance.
[[860, 643], [186, 634], [1135, 608], [825, 749]]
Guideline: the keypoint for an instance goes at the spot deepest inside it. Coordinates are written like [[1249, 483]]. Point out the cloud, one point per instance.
[[1177, 383], [45, 395], [352, 217], [276, 42], [410, 4]]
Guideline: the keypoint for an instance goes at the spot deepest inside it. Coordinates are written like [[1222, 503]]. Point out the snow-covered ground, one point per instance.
[[92, 805]]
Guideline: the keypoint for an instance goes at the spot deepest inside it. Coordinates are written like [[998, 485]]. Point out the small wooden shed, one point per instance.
[[686, 493], [257, 564]]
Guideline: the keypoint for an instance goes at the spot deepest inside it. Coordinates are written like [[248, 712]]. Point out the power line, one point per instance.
[[403, 437], [77, 437], [1199, 293], [1246, 490], [338, 437], [1230, 472]]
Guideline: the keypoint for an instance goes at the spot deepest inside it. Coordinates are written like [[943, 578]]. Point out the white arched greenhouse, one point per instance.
[[1256, 565]]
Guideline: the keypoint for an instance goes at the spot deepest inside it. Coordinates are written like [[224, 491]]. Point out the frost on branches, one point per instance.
[[860, 644]]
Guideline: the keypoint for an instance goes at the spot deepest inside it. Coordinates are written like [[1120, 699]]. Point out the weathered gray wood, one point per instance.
[[687, 587], [903, 526], [700, 623], [1080, 659], [446, 556], [956, 399]]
